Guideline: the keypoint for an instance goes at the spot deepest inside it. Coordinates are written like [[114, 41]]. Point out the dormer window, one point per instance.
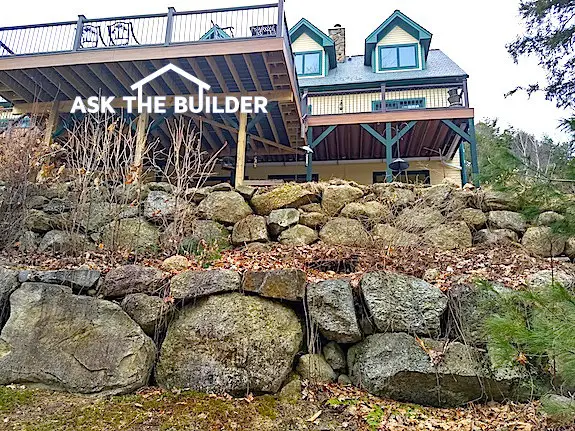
[[398, 57], [309, 63]]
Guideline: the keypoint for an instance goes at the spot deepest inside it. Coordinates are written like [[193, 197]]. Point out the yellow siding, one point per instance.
[[397, 36], [359, 172], [362, 102], [305, 43]]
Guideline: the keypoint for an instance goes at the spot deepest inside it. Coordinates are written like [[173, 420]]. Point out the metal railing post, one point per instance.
[[280, 18], [170, 25], [79, 31], [465, 94]]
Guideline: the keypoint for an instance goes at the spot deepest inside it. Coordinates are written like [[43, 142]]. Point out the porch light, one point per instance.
[[399, 165]]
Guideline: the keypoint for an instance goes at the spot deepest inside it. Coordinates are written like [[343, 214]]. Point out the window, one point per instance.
[[409, 177], [308, 63], [298, 178], [398, 57], [400, 104]]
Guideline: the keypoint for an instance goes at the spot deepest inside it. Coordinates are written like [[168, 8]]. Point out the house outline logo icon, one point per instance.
[[202, 86]]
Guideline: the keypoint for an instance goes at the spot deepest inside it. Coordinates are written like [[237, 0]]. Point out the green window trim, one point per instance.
[[303, 54], [380, 48], [399, 104]]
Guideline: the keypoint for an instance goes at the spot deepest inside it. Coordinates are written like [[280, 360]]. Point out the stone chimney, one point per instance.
[[337, 34]]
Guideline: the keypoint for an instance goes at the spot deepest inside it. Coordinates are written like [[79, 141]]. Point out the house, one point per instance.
[[399, 111]]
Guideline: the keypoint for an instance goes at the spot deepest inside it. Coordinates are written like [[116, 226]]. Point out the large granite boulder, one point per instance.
[[474, 218], [497, 201], [58, 241], [545, 278], [288, 284], [313, 220], [285, 196], [315, 368], [547, 218], [488, 236], [203, 234], [282, 219], [372, 211], [386, 235], [92, 216], [127, 279], [419, 219], [400, 302], [150, 312], [80, 280], [542, 241], [298, 235], [432, 373], [57, 206], [194, 284], [335, 197], [335, 357], [230, 344], [61, 341], [224, 207], [345, 231], [330, 306], [131, 234], [449, 236], [159, 206], [506, 220], [250, 229], [394, 195], [570, 248], [8, 284], [39, 221]]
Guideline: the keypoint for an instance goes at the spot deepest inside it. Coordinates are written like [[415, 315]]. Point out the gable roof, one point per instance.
[[355, 74], [396, 19], [215, 32], [304, 26]]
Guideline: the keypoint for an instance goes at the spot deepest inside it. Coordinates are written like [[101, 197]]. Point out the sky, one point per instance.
[[472, 33]]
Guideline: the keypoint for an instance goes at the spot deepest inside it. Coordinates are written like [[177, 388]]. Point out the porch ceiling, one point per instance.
[[251, 67]]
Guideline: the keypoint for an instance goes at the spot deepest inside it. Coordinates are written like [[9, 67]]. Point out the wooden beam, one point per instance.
[[241, 150], [321, 137], [106, 55], [287, 149], [51, 123], [391, 116]]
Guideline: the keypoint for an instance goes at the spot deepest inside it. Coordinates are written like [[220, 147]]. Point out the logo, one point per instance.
[[181, 104]]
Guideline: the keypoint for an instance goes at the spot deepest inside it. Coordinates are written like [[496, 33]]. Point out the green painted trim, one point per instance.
[[457, 130], [304, 26], [388, 153], [374, 103], [375, 134], [397, 18], [474, 158], [387, 69], [321, 137], [403, 132], [215, 29], [464, 177], [304, 53], [309, 167]]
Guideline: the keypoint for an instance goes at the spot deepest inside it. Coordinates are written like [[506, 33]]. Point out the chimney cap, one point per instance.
[[337, 26]]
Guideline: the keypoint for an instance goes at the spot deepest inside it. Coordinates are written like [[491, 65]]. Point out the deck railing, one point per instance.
[[145, 30], [387, 99]]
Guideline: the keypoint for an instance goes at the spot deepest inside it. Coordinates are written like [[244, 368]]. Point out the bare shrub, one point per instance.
[[22, 152]]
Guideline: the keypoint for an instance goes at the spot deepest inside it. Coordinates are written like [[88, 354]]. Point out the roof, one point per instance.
[[397, 18], [355, 73], [304, 26]]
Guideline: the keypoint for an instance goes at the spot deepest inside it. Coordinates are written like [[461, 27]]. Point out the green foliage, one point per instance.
[[550, 36], [535, 328], [374, 417], [562, 412], [12, 398]]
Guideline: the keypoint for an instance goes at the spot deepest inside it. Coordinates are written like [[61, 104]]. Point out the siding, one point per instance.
[[305, 43], [362, 102], [397, 36], [359, 172]]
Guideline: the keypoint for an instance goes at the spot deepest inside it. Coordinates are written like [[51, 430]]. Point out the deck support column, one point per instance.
[[309, 157], [141, 135], [388, 154], [51, 123], [474, 158], [464, 177], [241, 149]]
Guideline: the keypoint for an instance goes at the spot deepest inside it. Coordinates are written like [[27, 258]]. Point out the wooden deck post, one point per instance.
[[51, 123], [464, 177], [241, 150], [309, 156], [141, 134], [388, 154], [474, 158]]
